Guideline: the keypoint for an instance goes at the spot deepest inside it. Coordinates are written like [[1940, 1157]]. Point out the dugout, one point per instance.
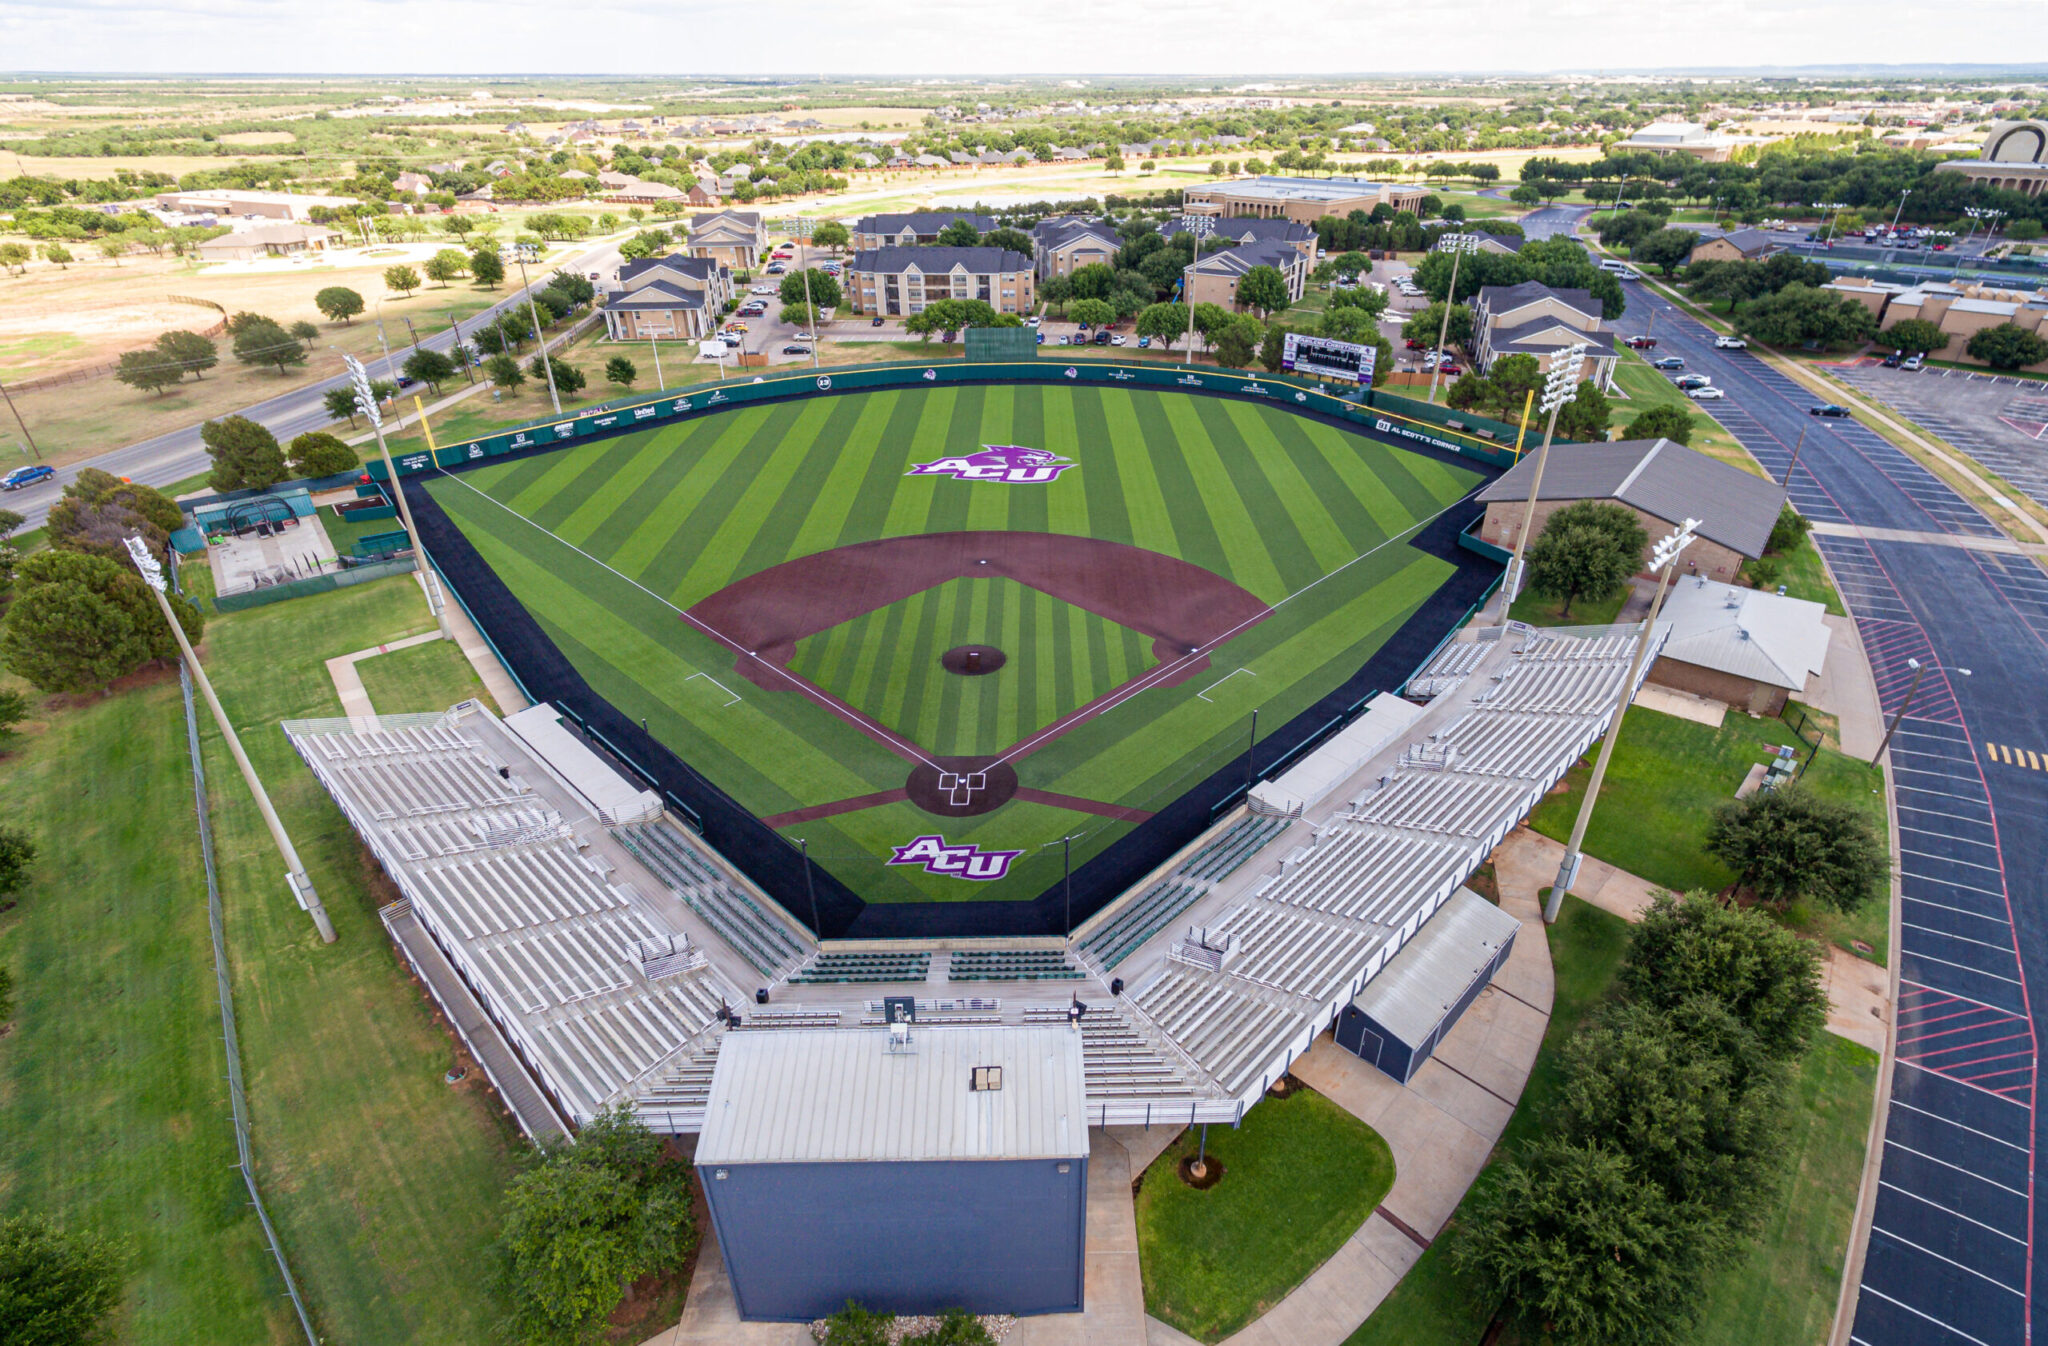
[[937, 1168], [1418, 998]]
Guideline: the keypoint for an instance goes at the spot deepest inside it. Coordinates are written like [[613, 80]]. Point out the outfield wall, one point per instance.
[[767, 857]]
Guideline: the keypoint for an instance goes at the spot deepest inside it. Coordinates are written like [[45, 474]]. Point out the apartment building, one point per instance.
[[1065, 243], [738, 238], [919, 227], [668, 299], [897, 281], [1534, 319]]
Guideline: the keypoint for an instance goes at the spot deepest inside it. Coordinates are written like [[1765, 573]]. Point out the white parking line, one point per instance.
[[1879, 1229], [1960, 967], [1958, 1125], [1957, 1167], [1869, 1289], [1946, 934], [1960, 911], [1951, 860]]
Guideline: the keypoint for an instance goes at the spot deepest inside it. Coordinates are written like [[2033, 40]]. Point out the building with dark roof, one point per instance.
[[1065, 243], [1250, 229], [1213, 279], [668, 299], [902, 280], [1663, 481], [737, 238], [1740, 245], [1533, 319], [918, 227]]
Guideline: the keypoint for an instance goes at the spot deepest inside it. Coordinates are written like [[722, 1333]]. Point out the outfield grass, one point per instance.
[[1665, 780], [1783, 1292], [1299, 1176], [1300, 514], [433, 676]]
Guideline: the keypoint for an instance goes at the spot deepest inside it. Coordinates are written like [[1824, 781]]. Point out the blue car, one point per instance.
[[1041, 338], [26, 476]]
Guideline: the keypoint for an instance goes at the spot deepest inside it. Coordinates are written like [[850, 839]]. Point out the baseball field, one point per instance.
[[998, 616]]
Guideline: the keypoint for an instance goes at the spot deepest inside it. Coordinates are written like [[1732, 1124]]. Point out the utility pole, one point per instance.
[[295, 872], [547, 366], [366, 403], [1664, 560], [9, 398], [1912, 690], [1901, 209], [1457, 245], [461, 357], [1793, 465], [1560, 385], [802, 260]]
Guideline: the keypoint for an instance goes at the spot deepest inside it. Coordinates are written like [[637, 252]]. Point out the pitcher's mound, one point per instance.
[[973, 660]]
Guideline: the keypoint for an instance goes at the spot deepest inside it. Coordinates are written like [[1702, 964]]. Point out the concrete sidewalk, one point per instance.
[[348, 684]]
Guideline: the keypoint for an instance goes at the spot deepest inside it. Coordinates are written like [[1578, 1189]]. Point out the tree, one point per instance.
[[504, 372], [1586, 549], [402, 279], [1667, 249], [99, 511], [1114, 163], [263, 342], [578, 290], [1527, 194], [193, 353], [58, 255], [429, 367], [1663, 422], [568, 378], [17, 847], [959, 234], [1237, 343], [245, 454], [1273, 348], [446, 265], [319, 454], [338, 303], [1768, 978], [13, 710], [1914, 336], [830, 234], [1263, 288], [1800, 313], [1016, 240], [1211, 321], [340, 402], [1091, 312], [2007, 346], [620, 370], [1348, 324], [15, 256], [78, 622], [1371, 299], [1587, 416], [303, 331], [487, 268], [1164, 323], [824, 289], [1351, 265], [589, 1220], [807, 317], [1427, 322], [148, 371], [1788, 532], [1790, 843], [57, 1287]]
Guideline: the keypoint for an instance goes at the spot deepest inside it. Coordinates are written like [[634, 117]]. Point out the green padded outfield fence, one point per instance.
[[1417, 422]]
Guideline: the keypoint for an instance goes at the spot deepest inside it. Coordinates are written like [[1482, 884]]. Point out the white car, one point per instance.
[[1119, 340], [1707, 394], [1031, 321], [763, 289], [1729, 343]]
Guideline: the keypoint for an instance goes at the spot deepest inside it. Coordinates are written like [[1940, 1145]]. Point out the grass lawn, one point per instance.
[[1647, 387], [1533, 608], [1666, 778], [1299, 1177], [433, 676], [382, 1179], [1803, 576]]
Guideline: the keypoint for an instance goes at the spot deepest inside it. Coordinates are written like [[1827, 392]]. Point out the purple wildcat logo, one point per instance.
[[958, 862], [1011, 463]]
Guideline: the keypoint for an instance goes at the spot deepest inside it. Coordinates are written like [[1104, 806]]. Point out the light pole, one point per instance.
[[1912, 690], [660, 382], [547, 366], [1794, 464], [366, 403], [457, 350], [1457, 245], [1559, 387], [295, 873], [1831, 207], [1198, 228], [1978, 214], [1664, 560], [1901, 209], [802, 261]]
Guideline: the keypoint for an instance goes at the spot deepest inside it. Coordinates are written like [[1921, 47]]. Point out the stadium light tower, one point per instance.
[[1200, 226], [295, 873], [1457, 245], [1559, 387], [547, 366], [1664, 560], [366, 402], [1912, 690]]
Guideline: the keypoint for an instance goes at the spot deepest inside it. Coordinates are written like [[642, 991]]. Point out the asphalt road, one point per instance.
[[178, 454], [1952, 1244]]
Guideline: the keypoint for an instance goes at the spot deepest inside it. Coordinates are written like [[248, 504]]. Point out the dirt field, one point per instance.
[[29, 165]]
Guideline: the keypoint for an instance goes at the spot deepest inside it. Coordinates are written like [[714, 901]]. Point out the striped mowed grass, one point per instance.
[[607, 542]]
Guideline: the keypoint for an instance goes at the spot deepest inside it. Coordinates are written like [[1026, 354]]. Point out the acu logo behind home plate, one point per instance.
[[1011, 463], [960, 862]]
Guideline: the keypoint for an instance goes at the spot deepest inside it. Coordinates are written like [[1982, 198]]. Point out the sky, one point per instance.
[[1179, 38]]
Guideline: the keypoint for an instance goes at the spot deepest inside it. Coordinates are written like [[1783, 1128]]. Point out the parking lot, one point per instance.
[[1999, 420]]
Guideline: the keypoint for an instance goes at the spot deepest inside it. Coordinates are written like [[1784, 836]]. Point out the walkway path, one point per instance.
[[348, 684], [2003, 545]]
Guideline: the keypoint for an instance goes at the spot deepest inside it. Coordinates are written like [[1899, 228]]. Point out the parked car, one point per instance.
[[1730, 343], [1102, 338], [732, 342], [1144, 343], [1706, 392], [1688, 382], [1668, 362], [877, 322], [793, 349], [1890, 361], [1827, 409], [774, 269], [1913, 363], [1119, 340], [1642, 343], [27, 476], [1032, 321], [1040, 337]]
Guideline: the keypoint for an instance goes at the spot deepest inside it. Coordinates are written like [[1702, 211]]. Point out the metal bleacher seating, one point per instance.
[[1288, 950], [1432, 803], [1155, 908], [1118, 1060], [1357, 873], [1231, 1026], [765, 942], [910, 966], [1011, 965]]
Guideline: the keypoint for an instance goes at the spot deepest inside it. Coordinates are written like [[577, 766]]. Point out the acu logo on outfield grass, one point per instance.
[[965, 861], [1011, 463]]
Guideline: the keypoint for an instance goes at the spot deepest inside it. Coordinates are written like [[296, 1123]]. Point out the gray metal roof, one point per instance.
[[1765, 637], [795, 1096], [1659, 477], [935, 260], [1422, 982]]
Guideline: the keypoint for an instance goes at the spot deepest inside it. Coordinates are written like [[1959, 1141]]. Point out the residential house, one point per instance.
[[1064, 243], [1747, 647], [738, 238], [1664, 482], [272, 238], [636, 192], [418, 184], [1739, 245], [705, 192], [668, 299], [894, 281], [1303, 200], [1499, 244], [1533, 319], [883, 231], [230, 202], [611, 181]]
